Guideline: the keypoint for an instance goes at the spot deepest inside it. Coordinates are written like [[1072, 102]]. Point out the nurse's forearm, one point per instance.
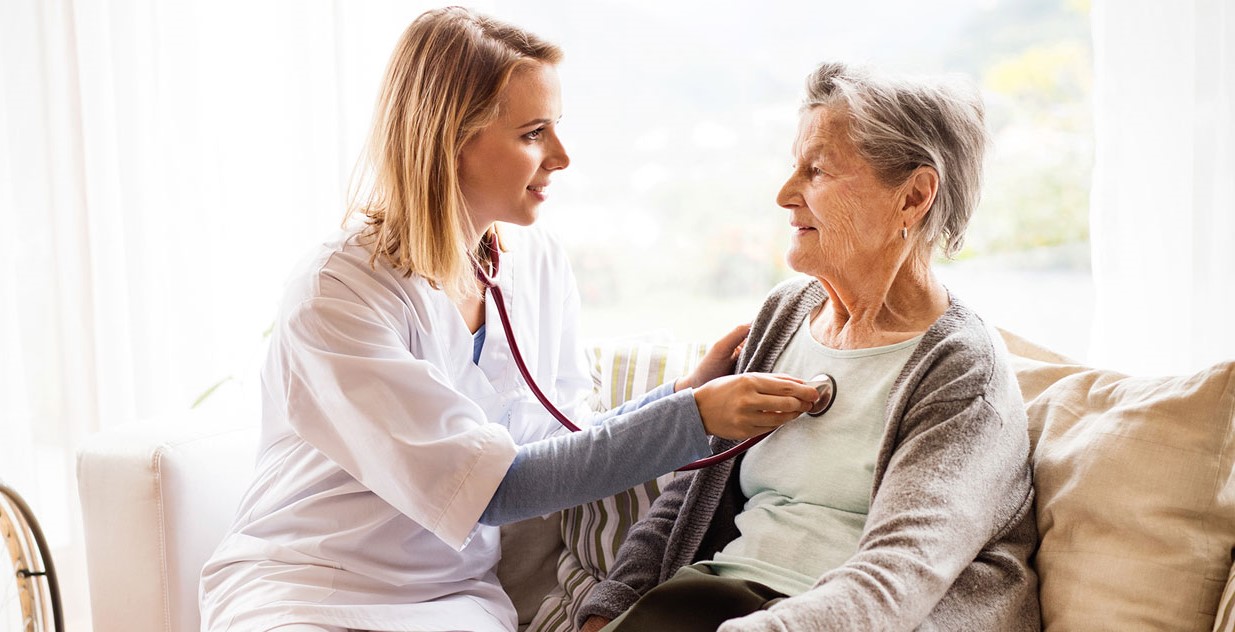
[[600, 461]]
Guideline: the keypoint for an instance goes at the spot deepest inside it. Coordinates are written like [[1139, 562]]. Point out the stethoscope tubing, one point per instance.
[[490, 283]]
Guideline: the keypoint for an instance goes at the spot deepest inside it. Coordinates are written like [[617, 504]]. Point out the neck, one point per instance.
[[472, 308], [880, 308], [479, 231]]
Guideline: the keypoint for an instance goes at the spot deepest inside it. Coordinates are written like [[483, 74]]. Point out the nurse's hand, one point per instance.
[[750, 404], [594, 623], [718, 361]]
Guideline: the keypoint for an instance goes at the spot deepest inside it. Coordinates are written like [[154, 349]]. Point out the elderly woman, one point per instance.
[[909, 504]]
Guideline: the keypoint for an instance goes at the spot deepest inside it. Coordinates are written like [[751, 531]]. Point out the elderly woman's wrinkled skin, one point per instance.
[[848, 234]]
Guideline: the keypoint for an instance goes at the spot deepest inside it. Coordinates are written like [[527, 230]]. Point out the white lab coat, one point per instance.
[[382, 444]]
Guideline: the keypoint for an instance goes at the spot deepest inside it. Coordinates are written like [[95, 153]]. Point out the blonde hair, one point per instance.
[[441, 87]]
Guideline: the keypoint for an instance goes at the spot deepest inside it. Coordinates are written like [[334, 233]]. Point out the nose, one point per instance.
[[556, 158], [788, 196]]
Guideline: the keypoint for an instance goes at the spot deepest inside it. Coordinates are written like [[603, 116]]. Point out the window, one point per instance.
[[679, 121]]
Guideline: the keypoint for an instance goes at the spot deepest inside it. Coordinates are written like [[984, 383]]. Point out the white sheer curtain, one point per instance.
[[1163, 204], [162, 165]]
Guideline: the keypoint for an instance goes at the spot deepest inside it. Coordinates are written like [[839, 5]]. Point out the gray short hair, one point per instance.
[[899, 125]]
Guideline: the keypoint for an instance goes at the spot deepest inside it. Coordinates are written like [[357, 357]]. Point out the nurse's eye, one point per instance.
[[535, 134]]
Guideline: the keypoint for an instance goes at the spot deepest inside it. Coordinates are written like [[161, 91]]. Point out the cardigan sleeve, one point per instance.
[[957, 479]]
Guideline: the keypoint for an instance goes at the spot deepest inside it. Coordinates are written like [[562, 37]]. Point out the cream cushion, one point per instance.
[[1135, 493]]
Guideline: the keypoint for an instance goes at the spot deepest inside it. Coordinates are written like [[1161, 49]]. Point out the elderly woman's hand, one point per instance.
[[718, 361], [751, 404], [594, 623]]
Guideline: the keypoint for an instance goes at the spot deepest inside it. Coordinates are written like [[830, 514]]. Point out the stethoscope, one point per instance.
[[823, 384]]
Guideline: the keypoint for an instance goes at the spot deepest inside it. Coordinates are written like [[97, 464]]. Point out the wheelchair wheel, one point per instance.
[[29, 592]]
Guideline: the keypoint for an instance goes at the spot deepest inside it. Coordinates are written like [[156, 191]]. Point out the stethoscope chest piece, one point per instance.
[[826, 387]]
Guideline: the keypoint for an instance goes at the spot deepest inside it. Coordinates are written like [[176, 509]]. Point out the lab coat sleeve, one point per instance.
[[355, 392]]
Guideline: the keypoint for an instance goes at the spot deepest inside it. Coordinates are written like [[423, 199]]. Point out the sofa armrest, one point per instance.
[[157, 497]]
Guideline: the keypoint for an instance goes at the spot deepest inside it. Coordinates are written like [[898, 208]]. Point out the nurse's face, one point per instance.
[[504, 169]]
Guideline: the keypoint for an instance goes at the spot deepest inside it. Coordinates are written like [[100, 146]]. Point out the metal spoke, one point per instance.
[[30, 598]]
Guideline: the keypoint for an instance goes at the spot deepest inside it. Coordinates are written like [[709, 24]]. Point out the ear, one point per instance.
[[918, 194]]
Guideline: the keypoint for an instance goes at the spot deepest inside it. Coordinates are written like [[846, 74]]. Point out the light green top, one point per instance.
[[809, 484]]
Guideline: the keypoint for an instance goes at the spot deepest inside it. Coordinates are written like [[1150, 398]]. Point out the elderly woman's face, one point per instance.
[[844, 218]]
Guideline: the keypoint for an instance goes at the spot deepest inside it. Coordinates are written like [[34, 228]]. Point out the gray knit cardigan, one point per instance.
[[950, 531]]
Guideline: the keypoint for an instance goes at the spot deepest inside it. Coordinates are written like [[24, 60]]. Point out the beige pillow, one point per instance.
[[1136, 493]]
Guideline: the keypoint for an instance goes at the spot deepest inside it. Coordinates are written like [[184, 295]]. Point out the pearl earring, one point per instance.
[[904, 232]]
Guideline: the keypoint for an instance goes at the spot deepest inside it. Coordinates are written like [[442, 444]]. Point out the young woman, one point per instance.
[[397, 432]]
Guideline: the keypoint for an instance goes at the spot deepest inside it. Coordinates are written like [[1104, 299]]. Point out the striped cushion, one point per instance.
[[1225, 621], [594, 531]]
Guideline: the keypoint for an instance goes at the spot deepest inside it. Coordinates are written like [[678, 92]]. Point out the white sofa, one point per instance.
[[1135, 479], [157, 497]]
